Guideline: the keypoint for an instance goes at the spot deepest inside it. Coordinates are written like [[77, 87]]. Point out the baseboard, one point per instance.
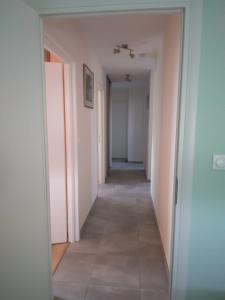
[[81, 229], [164, 254], [120, 159]]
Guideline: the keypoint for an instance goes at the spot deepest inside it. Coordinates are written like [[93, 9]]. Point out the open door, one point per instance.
[[56, 151]]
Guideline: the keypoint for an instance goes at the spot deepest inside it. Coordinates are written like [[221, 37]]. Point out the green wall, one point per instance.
[[25, 262], [206, 273]]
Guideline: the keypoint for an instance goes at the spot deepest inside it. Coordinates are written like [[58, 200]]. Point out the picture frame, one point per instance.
[[88, 84]]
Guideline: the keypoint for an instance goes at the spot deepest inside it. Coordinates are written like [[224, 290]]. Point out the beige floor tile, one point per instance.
[[75, 267], [116, 270], [68, 291], [153, 274], [112, 293], [154, 295]]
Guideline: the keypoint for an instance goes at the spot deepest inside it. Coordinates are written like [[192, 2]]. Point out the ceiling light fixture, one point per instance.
[[124, 47]]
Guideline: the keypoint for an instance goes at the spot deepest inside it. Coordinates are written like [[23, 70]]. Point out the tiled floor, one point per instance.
[[119, 256]]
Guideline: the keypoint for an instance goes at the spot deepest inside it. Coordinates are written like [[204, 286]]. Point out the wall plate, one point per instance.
[[219, 162]]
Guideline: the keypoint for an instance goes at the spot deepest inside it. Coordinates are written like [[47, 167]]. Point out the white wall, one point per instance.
[[119, 98], [165, 99], [69, 38], [137, 122], [155, 119]]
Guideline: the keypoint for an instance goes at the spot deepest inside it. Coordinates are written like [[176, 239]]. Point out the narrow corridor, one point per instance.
[[120, 255]]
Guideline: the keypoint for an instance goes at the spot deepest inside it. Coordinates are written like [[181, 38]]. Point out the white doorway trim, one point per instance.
[[101, 133], [71, 138]]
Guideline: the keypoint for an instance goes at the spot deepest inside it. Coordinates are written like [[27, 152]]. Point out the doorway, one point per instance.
[[129, 126], [135, 119]]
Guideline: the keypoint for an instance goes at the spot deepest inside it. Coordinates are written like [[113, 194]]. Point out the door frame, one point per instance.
[[188, 109], [70, 138], [100, 104], [108, 124]]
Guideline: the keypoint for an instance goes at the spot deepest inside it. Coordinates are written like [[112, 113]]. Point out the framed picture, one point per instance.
[[88, 87]]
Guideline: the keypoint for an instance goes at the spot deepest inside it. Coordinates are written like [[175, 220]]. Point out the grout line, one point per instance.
[[116, 286]]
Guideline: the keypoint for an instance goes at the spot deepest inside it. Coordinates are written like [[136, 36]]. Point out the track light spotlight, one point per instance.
[[124, 46], [116, 51], [128, 78]]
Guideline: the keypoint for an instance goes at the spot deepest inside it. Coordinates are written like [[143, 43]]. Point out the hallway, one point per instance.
[[120, 255]]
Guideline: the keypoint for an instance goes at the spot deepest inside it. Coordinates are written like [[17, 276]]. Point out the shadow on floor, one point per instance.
[[120, 255]]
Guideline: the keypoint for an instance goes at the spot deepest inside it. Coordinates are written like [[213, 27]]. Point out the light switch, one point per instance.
[[219, 162]]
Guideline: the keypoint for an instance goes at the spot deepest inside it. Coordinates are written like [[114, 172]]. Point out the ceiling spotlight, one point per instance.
[[132, 55], [124, 47], [128, 78], [116, 50]]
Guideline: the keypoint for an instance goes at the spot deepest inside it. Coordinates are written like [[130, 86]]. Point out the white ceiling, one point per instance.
[[140, 31]]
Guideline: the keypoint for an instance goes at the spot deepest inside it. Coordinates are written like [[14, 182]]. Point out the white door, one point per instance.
[[56, 151]]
